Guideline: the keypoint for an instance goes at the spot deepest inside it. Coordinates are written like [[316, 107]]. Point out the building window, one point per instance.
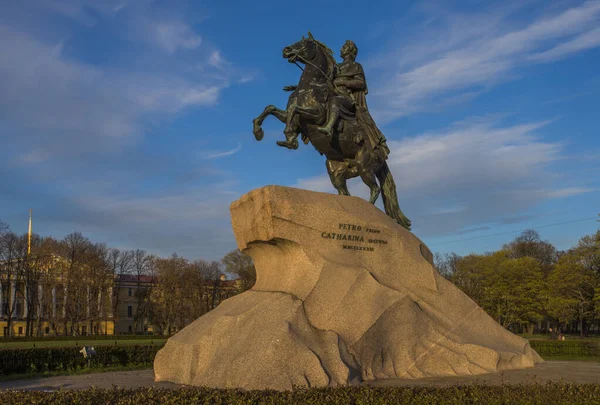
[[130, 329], [129, 310], [130, 292], [20, 330]]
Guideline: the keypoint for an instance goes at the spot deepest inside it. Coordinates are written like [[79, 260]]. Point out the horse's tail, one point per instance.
[[389, 196]]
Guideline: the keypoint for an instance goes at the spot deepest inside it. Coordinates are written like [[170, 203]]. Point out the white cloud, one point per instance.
[[474, 172], [174, 35], [469, 53], [216, 155], [587, 40], [173, 95], [195, 222], [216, 60], [79, 104], [85, 12]]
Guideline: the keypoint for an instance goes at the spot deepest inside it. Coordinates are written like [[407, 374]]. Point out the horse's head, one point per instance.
[[315, 54], [304, 50]]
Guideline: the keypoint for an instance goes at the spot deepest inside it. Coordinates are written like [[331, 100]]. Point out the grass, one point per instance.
[[82, 371], [79, 343]]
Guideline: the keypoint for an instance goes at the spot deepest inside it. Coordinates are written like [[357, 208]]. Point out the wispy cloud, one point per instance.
[[474, 52], [470, 174], [85, 12], [174, 35], [50, 91], [569, 97], [587, 40], [567, 192], [217, 155]]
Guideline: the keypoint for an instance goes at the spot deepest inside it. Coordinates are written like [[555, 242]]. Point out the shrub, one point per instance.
[[554, 348], [78, 338], [14, 361], [550, 393]]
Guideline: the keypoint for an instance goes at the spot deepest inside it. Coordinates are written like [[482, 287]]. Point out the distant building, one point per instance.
[[131, 294], [120, 308]]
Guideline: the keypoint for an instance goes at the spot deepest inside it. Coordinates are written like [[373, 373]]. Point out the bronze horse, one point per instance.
[[307, 111]]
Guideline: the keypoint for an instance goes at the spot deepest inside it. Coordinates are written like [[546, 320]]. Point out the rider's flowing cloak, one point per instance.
[[374, 136]]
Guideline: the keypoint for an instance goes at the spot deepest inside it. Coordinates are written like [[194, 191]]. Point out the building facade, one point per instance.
[[52, 307]]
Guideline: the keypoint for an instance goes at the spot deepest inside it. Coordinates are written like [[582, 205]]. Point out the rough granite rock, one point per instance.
[[343, 295]]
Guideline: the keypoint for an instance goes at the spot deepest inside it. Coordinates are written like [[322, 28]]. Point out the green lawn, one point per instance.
[[80, 343]]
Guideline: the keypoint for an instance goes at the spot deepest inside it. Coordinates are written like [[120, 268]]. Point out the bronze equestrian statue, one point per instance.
[[328, 109]]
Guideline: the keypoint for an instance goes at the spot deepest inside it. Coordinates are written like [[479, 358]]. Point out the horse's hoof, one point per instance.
[[289, 145], [258, 133]]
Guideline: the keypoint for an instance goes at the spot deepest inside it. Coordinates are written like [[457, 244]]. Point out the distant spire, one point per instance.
[[29, 236]]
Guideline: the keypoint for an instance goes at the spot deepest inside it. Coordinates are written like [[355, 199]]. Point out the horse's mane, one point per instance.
[[331, 62]]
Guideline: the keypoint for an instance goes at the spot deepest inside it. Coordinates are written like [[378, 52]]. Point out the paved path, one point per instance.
[[582, 372], [571, 371]]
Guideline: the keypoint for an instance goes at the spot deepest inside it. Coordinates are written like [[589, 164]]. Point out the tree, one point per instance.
[[515, 291], [141, 265], [241, 265], [13, 251], [446, 263], [75, 251], [511, 290], [119, 264], [470, 276], [588, 252], [34, 267], [99, 280], [529, 244], [51, 267], [572, 290], [4, 228], [166, 299]]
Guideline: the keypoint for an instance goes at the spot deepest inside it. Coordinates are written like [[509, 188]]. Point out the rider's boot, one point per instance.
[[333, 117]]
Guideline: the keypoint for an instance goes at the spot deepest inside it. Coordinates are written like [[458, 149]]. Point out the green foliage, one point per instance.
[[14, 361], [572, 289], [529, 244], [566, 348], [529, 281], [550, 393], [511, 290]]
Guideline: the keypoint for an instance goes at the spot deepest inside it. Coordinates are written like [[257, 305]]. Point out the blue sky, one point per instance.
[[130, 121]]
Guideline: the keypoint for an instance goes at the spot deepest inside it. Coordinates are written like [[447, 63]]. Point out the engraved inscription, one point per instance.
[[356, 233], [369, 249]]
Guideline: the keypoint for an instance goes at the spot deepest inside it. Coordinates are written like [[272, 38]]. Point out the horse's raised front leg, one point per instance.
[[292, 128], [257, 130]]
